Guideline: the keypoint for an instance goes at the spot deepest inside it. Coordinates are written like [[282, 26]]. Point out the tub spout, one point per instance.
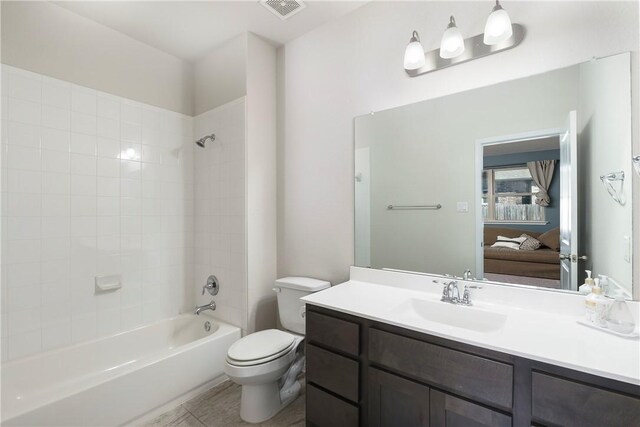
[[211, 306]]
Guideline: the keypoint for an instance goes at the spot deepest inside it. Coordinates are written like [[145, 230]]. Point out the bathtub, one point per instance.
[[118, 379]]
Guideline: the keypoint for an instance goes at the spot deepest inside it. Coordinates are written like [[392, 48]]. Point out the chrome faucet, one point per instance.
[[451, 293], [211, 306], [466, 275], [212, 286]]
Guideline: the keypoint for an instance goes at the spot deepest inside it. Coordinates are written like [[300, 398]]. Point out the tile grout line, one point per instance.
[[193, 415]]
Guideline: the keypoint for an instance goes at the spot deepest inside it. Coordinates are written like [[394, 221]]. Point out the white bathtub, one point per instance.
[[115, 380]]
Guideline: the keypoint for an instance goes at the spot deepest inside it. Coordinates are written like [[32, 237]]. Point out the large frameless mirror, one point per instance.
[[524, 182]]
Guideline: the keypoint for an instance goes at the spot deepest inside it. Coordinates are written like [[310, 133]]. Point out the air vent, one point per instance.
[[283, 9]]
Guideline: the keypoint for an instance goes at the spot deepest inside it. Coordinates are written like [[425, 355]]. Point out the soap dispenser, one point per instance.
[[596, 306], [604, 285], [586, 288]]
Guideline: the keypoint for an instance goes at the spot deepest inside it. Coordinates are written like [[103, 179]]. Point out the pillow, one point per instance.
[[530, 243], [508, 242], [551, 239]]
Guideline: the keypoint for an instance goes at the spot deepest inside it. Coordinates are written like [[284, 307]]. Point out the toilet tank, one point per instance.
[[290, 308]]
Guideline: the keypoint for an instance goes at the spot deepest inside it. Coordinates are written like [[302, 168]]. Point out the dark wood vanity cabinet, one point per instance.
[[366, 373]]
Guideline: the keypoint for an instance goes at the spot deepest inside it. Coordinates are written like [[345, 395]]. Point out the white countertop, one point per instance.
[[540, 325]]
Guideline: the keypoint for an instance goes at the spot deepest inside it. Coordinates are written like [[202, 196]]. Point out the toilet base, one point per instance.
[[259, 402]]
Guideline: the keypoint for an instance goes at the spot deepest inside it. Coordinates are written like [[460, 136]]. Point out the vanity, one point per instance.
[[383, 350]]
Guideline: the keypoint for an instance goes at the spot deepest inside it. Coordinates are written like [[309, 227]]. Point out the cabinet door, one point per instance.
[[394, 401], [450, 411]]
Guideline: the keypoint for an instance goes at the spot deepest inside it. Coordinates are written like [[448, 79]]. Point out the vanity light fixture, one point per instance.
[[500, 34], [452, 43], [414, 54], [498, 27]]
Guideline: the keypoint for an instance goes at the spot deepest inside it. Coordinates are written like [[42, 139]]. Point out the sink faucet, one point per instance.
[[211, 306], [451, 293]]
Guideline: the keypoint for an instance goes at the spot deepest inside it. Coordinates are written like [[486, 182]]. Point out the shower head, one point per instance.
[[204, 139]]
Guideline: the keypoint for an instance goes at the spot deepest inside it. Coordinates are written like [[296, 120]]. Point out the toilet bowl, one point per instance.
[[267, 363]]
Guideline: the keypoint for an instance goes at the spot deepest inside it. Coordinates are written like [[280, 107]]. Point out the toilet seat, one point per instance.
[[260, 347]]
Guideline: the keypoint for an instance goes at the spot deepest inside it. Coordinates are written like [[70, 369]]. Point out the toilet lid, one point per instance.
[[260, 345]]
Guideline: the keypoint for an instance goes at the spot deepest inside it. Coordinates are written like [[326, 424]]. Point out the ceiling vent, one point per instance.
[[283, 9]]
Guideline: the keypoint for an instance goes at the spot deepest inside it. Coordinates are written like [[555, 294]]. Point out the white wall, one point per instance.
[[605, 145], [220, 232], [261, 183], [48, 39], [221, 75], [93, 185], [360, 70]]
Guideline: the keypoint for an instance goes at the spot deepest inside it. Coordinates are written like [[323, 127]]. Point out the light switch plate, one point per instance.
[[463, 207]]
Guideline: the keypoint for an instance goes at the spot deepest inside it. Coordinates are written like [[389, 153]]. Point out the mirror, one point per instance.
[[524, 182]]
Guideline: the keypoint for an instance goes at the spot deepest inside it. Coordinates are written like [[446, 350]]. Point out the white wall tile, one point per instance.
[[55, 139], [22, 134], [55, 161], [23, 181], [108, 107], [108, 128], [109, 148], [108, 186], [56, 183], [56, 118], [130, 132], [82, 165], [84, 123], [56, 93], [24, 87], [24, 111], [83, 144], [83, 100], [130, 112], [79, 191]]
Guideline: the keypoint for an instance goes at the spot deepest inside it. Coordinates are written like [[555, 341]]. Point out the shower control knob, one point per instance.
[[212, 286]]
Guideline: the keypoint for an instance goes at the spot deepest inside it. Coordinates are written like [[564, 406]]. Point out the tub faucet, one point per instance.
[[211, 306], [466, 275]]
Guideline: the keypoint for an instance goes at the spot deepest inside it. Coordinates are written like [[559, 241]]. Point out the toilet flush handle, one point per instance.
[[303, 311], [276, 290]]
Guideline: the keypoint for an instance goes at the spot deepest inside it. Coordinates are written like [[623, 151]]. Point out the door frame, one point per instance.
[[479, 164]]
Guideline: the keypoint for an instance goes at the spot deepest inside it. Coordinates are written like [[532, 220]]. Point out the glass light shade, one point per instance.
[[498, 27], [414, 55], [452, 43]]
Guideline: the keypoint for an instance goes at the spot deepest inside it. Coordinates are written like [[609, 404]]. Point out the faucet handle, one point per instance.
[[212, 286], [465, 296]]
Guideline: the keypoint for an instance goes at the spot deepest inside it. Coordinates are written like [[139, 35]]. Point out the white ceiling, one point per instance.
[[189, 29], [541, 144]]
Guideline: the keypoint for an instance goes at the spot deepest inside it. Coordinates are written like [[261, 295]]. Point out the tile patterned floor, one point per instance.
[[220, 407]]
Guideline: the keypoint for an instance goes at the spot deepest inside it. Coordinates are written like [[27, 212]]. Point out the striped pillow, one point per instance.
[[508, 242]]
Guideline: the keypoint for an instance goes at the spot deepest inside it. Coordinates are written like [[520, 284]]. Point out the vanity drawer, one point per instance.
[[557, 401], [472, 376], [323, 409], [333, 333], [333, 372]]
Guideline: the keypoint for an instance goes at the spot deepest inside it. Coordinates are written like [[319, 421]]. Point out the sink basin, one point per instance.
[[470, 318]]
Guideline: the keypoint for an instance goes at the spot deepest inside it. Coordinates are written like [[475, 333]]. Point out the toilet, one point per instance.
[[267, 363]]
